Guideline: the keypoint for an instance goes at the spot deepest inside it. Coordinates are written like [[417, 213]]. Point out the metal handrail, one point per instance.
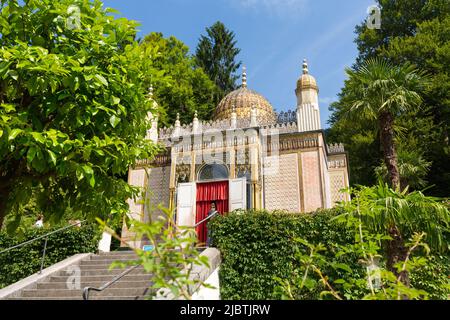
[[108, 284], [86, 290], [45, 244], [206, 219]]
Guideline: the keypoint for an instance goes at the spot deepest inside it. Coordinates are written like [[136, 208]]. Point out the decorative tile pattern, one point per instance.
[[158, 190], [337, 182], [282, 190], [311, 181], [137, 179], [327, 185]]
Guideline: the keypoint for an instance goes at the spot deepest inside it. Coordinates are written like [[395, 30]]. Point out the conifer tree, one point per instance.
[[216, 53]]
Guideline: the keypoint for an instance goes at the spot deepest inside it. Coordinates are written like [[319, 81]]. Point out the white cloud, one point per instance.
[[275, 7]]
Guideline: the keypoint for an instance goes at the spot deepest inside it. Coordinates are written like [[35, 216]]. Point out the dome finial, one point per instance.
[[244, 77], [305, 67]]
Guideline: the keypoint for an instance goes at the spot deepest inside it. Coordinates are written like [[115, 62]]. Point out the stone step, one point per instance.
[[104, 266], [103, 278], [114, 257], [94, 272], [105, 272], [112, 253], [95, 284], [109, 292], [106, 262]]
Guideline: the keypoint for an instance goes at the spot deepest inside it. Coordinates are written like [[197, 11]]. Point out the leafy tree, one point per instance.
[[400, 19], [72, 108], [361, 141], [429, 49], [181, 87], [381, 92], [412, 166], [399, 215], [414, 31], [216, 54]]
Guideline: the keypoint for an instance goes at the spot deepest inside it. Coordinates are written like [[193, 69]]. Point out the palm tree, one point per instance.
[[381, 92], [400, 214], [412, 167]]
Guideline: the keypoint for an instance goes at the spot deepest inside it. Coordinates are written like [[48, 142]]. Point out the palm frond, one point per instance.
[[380, 208], [377, 86]]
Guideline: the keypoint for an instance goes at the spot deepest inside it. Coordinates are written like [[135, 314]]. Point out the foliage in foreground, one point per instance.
[[73, 112], [22, 262], [329, 254], [257, 247], [171, 260]]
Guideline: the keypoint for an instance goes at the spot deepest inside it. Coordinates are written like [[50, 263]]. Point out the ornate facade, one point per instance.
[[260, 159]]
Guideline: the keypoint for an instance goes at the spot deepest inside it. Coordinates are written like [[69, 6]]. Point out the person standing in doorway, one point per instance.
[[211, 213]]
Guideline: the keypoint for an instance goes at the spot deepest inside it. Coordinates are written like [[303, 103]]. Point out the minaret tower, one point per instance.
[[307, 92]]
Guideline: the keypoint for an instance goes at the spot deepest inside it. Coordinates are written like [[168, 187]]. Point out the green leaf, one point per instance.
[[92, 181], [342, 266], [38, 137], [114, 121], [310, 283], [115, 100], [88, 170], [4, 65], [99, 152], [13, 74], [13, 134], [31, 154], [80, 174], [8, 107], [101, 79], [339, 281], [52, 157]]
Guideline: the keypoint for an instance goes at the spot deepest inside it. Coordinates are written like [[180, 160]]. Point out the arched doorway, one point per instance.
[[212, 186]]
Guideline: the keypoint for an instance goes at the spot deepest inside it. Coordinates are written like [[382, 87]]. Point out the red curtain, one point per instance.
[[207, 193]]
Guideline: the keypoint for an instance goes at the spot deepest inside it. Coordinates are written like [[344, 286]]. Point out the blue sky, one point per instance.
[[274, 37]]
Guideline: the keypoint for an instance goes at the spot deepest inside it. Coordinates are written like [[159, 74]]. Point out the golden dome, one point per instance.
[[243, 100], [306, 81]]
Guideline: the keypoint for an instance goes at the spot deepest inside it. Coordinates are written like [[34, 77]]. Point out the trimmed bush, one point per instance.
[[26, 260], [258, 246]]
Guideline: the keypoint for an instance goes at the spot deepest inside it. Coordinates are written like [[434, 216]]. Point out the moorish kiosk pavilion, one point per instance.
[[246, 157]]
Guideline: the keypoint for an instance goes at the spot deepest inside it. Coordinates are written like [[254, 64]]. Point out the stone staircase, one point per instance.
[[94, 273]]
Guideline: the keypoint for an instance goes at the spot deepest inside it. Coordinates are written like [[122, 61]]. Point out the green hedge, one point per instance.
[[24, 261], [256, 247]]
